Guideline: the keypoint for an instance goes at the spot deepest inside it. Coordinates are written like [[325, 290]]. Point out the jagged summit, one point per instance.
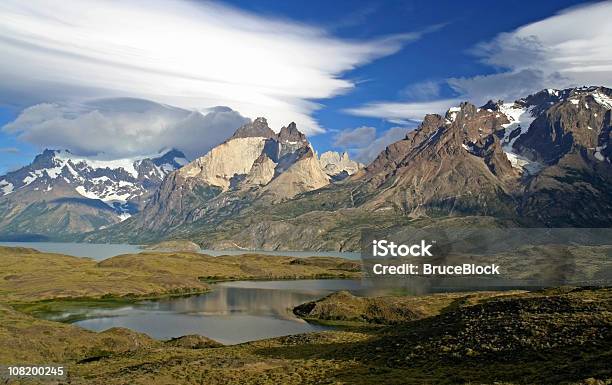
[[173, 157], [291, 133], [479, 160], [543, 160], [339, 166], [254, 155], [256, 129], [492, 105], [62, 193], [253, 166], [535, 130]]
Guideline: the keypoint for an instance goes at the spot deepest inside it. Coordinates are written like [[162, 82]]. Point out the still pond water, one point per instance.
[[234, 312]]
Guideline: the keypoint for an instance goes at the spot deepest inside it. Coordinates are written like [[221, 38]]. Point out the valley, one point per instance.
[[238, 192], [550, 335]]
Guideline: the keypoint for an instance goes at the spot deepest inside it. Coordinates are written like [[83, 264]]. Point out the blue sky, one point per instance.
[[355, 75]]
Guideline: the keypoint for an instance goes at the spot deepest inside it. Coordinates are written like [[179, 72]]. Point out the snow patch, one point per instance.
[[603, 99], [126, 164], [124, 183], [518, 117], [29, 179], [181, 161], [87, 194], [520, 162], [6, 187], [598, 155]]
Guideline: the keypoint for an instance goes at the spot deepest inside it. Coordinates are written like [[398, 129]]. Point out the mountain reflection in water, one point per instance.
[[233, 312]]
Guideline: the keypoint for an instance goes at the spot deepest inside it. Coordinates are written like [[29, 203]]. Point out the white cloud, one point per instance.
[[571, 48], [507, 86], [356, 137], [123, 127], [184, 53], [363, 144], [425, 90], [394, 111]]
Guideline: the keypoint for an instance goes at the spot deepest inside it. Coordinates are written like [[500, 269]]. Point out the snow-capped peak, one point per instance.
[[123, 184]]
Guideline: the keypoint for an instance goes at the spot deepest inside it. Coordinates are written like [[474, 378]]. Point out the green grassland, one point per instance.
[[27, 275], [554, 336]]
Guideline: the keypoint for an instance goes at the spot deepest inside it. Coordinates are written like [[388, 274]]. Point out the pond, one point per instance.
[[234, 312]]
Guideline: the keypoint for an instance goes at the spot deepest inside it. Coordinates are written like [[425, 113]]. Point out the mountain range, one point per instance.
[[60, 193], [540, 161]]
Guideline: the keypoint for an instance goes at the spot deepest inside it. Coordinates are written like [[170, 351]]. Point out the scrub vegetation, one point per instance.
[[560, 335]]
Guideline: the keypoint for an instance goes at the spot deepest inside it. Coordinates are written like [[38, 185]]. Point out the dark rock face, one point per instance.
[[438, 169], [173, 158], [257, 128], [576, 122], [452, 165], [291, 140], [290, 133], [571, 138]]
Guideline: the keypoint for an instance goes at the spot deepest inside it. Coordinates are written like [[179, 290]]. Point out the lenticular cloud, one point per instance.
[[187, 54]]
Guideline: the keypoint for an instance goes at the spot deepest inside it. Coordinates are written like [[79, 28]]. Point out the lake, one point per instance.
[[101, 251], [234, 312]]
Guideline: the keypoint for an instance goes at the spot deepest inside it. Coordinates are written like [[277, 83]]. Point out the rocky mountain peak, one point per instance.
[[256, 129], [493, 106], [338, 166], [291, 133], [121, 183], [566, 121], [173, 158], [63, 193], [45, 158]]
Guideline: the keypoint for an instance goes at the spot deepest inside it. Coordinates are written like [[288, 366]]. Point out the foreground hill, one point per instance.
[[27, 275], [549, 337]]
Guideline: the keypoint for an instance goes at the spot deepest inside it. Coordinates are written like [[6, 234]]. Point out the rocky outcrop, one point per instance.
[[193, 341], [304, 174], [256, 129], [338, 166], [389, 310]]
